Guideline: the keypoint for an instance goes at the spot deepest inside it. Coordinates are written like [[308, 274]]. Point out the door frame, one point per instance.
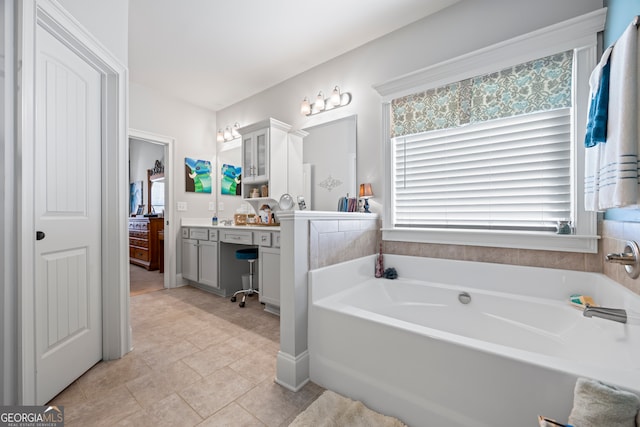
[[116, 331], [168, 144]]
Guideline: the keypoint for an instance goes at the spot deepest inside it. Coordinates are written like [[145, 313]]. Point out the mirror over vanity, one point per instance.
[[329, 158]]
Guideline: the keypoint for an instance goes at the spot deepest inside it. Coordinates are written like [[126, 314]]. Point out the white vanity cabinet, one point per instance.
[[200, 256], [269, 269], [271, 157]]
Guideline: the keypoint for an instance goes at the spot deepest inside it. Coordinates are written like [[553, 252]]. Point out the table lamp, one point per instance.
[[366, 193]]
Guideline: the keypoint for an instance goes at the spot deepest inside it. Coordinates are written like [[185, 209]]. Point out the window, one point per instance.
[[494, 151], [470, 161]]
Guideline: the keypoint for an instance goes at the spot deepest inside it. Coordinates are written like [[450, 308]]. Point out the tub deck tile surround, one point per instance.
[[614, 236], [531, 258], [336, 240]]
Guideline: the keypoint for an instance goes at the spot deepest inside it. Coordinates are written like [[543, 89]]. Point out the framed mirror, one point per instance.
[[329, 157]]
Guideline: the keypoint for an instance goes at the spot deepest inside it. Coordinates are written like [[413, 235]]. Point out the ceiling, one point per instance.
[[213, 53]]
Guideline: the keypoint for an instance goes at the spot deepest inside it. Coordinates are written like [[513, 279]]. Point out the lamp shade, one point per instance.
[[365, 191]]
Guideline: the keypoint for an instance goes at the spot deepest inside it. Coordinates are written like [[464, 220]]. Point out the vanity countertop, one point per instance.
[[206, 223]]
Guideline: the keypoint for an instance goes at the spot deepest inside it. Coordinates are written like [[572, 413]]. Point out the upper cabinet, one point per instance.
[[255, 160], [271, 161]]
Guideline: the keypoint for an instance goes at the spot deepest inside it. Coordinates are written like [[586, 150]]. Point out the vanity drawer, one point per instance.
[[137, 253], [139, 234], [276, 240], [199, 233], [185, 233], [140, 243], [239, 237], [263, 239], [213, 235]]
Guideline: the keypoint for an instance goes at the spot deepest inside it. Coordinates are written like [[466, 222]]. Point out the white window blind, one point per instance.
[[511, 174]]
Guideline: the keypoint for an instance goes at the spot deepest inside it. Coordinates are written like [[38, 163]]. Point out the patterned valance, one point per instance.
[[539, 85]]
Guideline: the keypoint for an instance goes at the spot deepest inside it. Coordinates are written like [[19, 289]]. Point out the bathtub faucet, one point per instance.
[[615, 314]]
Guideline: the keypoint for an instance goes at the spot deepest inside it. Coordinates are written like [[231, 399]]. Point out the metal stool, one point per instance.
[[250, 254]]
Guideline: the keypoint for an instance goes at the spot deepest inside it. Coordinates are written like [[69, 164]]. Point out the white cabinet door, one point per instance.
[[208, 263], [255, 157], [261, 142], [247, 158], [190, 259], [269, 276]]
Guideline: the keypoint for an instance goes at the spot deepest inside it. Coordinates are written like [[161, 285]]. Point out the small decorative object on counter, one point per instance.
[[255, 193], [301, 204], [214, 220], [380, 264], [563, 227], [264, 190], [265, 214], [390, 273], [240, 219]]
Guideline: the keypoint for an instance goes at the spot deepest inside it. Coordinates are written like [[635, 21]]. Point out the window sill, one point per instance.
[[494, 238]]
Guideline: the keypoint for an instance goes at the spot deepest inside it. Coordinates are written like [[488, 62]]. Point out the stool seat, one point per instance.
[[249, 253]]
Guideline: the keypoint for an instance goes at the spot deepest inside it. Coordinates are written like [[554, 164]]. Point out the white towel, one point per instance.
[[617, 178], [593, 154], [598, 405]]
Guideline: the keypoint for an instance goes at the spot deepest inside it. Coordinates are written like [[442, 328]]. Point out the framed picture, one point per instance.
[[135, 196], [230, 184], [140, 210], [197, 175]]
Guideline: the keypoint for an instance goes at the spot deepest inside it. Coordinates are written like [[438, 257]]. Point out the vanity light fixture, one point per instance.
[[229, 133], [336, 100]]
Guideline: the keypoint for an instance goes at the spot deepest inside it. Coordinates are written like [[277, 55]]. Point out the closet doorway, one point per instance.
[[150, 252]]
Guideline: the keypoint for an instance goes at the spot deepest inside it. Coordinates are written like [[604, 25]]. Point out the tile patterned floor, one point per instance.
[[143, 281], [198, 360]]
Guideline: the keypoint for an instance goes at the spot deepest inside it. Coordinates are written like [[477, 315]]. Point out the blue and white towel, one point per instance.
[[611, 168]]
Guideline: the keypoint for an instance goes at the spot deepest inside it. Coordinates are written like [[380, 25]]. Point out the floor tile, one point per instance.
[[197, 359]]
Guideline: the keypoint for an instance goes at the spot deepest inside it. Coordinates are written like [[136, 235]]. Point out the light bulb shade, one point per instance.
[[305, 107], [365, 191], [234, 130], [227, 134], [220, 136], [335, 97], [319, 104]]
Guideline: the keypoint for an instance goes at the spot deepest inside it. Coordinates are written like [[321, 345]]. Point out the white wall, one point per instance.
[[194, 131], [108, 21], [462, 28]]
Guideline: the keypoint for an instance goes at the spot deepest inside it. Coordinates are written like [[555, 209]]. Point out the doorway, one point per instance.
[[151, 262]]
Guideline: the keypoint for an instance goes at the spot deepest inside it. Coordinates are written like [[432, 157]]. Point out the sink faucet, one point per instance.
[[615, 314]]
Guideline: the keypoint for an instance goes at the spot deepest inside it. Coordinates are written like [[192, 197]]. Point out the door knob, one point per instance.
[[39, 235]]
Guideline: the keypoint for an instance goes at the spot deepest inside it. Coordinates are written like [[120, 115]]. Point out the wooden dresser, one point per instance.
[[144, 249]]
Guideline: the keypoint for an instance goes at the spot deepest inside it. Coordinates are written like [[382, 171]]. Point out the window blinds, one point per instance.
[[511, 173]]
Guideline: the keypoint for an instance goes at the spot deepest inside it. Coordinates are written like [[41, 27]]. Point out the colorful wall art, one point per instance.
[[231, 178], [197, 175]]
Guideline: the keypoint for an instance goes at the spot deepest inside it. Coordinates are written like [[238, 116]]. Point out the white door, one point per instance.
[[67, 201]]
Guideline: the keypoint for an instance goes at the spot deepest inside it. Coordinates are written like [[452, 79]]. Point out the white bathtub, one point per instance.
[[409, 348]]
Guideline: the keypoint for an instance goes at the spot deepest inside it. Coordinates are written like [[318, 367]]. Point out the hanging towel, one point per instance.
[[599, 105], [615, 183], [596, 129]]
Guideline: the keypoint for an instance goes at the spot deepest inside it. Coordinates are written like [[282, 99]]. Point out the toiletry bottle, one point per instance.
[[214, 220]]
